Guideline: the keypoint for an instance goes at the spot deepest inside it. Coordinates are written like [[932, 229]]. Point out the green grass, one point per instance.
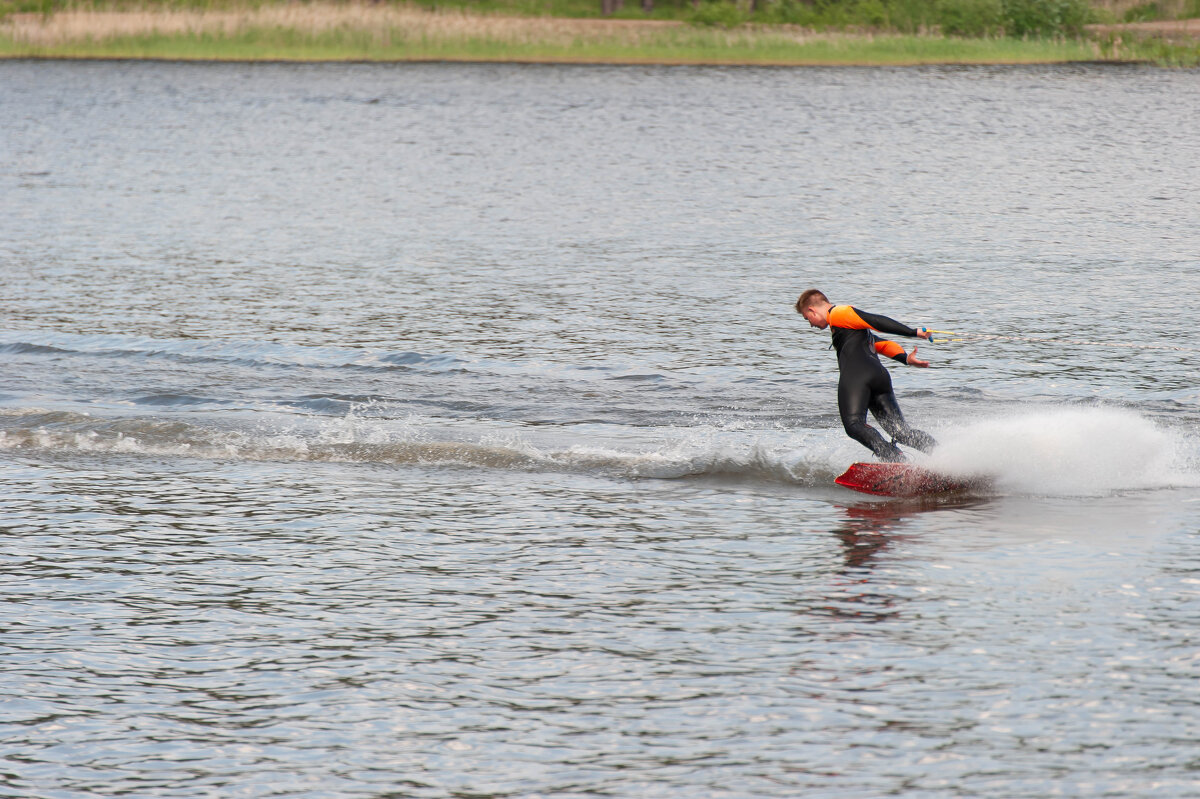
[[1150, 50], [972, 17], [670, 9], [683, 46], [474, 39]]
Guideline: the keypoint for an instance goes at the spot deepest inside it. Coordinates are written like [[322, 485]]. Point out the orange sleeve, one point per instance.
[[846, 317], [892, 350]]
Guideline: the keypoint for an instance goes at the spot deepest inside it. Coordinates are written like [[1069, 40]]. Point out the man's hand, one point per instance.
[[913, 360], [922, 333]]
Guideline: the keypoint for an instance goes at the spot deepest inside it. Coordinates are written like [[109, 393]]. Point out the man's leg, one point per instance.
[[853, 400], [885, 409]]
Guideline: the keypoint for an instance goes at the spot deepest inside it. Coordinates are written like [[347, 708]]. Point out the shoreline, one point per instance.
[[566, 62], [357, 33]]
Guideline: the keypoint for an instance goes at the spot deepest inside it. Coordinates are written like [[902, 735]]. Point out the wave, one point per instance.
[[270, 354], [197, 374], [1048, 451], [671, 455], [270, 359], [30, 348], [231, 353]]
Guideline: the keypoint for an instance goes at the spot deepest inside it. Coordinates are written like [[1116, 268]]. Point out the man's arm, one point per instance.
[[894, 351], [885, 324]]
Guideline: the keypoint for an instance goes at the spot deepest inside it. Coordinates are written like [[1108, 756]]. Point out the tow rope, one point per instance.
[[968, 337]]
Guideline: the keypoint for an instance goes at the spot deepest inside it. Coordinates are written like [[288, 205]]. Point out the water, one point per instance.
[[441, 430]]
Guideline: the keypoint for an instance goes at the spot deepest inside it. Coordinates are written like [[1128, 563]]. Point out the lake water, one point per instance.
[[446, 430]]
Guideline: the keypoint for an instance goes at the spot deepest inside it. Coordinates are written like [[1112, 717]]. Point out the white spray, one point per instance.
[[1064, 451]]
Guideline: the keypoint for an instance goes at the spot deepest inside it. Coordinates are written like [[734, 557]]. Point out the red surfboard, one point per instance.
[[898, 480]]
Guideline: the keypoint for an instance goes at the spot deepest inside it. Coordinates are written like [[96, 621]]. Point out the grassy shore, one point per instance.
[[358, 32]]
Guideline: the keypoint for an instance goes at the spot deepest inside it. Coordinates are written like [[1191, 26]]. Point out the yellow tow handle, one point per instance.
[[943, 332]]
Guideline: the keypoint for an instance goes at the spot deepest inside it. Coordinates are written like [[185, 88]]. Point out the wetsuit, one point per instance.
[[865, 384]]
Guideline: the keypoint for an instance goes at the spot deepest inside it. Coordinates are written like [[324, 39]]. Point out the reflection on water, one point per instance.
[[866, 532], [869, 527]]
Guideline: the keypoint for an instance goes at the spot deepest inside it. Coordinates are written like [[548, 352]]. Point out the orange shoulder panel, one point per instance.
[[845, 317]]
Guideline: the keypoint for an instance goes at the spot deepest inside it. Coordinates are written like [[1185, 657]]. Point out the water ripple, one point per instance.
[[465, 443]]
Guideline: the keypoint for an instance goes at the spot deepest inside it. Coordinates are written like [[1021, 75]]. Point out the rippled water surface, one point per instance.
[[442, 430]]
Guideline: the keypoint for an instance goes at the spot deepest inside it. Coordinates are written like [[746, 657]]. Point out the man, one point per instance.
[[864, 384]]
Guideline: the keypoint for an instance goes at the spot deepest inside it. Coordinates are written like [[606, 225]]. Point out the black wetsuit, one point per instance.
[[865, 384]]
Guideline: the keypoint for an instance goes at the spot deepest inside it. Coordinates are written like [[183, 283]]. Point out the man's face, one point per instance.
[[817, 317]]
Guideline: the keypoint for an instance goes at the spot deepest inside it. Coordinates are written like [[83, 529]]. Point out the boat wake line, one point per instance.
[[1054, 451]]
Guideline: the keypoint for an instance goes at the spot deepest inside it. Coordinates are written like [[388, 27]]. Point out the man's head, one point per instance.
[[814, 306]]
